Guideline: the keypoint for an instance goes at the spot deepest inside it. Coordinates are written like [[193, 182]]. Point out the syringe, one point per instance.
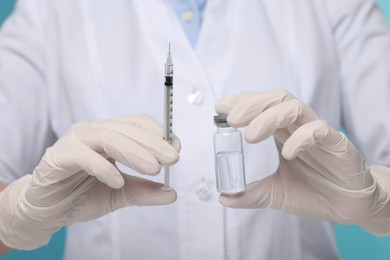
[[168, 110]]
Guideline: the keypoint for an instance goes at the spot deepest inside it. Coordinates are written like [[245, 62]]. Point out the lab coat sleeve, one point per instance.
[[362, 37], [24, 118]]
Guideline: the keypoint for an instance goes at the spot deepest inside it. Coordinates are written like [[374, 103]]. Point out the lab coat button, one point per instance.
[[204, 191], [196, 98]]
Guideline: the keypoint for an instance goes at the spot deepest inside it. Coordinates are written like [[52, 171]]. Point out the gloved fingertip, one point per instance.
[[113, 181], [288, 154], [118, 181], [109, 175], [249, 139], [166, 197], [231, 201], [256, 195], [234, 121], [172, 157], [167, 155], [252, 135], [222, 109], [174, 160], [152, 170], [176, 144]]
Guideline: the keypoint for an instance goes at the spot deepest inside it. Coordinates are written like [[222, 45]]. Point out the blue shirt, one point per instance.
[[190, 14]]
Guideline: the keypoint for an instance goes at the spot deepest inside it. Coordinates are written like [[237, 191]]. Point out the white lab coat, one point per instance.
[[65, 61]]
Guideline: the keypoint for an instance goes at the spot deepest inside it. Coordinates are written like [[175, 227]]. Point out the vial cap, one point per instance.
[[220, 121]]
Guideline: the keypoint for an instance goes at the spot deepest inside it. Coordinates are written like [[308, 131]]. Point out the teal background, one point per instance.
[[353, 242]]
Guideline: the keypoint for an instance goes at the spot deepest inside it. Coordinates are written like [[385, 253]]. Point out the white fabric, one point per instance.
[[63, 62], [320, 175], [77, 180]]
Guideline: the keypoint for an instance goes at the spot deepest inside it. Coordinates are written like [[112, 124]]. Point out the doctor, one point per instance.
[[97, 62]]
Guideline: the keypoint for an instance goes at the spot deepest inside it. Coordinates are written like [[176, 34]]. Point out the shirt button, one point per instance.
[[188, 16], [204, 191], [196, 97]]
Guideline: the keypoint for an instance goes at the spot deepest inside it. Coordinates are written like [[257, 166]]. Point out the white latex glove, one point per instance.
[[320, 176], [77, 180]]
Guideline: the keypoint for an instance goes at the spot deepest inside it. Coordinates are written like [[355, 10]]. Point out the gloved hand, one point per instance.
[[77, 179], [321, 175]]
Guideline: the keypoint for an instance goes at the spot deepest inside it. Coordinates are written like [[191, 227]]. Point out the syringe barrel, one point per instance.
[[168, 110]]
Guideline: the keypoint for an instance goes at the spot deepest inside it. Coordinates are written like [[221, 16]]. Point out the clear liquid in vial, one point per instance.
[[230, 168]]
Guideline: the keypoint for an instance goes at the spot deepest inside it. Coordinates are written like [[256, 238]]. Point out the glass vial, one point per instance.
[[229, 159]]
